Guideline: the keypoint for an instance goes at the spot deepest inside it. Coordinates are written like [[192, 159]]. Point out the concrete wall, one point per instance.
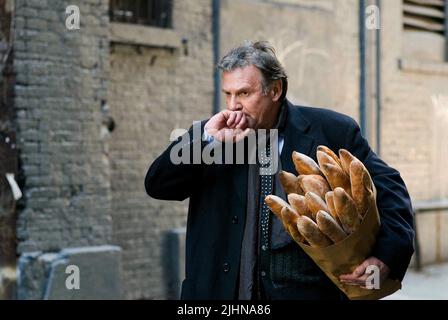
[[87, 273], [317, 42], [153, 91], [414, 126]]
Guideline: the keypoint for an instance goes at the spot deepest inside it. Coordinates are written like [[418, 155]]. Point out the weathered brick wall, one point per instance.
[[151, 92], [61, 82], [83, 185]]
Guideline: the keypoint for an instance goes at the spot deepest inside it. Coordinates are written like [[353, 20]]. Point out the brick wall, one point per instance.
[[60, 84], [153, 91], [83, 185]]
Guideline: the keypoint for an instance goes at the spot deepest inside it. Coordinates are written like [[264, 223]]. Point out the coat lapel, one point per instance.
[[295, 138]]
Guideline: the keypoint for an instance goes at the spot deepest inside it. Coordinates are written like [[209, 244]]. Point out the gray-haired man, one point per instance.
[[236, 248]]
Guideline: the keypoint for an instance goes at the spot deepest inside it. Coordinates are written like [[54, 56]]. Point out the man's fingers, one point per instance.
[[348, 277], [231, 119], [228, 135], [360, 281], [238, 117], [224, 135], [219, 135], [361, 269], [357, 273], [240, 136], [242, 122], [236, 127], [359, 276]]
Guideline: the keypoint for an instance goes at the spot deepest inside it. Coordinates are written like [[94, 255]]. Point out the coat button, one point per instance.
[[235, 219], [226, 267]]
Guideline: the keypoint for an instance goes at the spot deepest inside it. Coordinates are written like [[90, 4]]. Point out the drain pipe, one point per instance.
[[446, 30], [378, 81], [362, 57], [216, 32]]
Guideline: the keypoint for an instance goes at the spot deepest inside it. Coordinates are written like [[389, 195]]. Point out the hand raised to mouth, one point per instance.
[[229, 126]]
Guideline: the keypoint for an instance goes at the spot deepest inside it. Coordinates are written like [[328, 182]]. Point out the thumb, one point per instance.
[[361, 269]]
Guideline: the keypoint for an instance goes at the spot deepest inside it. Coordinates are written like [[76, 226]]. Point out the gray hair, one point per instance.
[[261, 54]]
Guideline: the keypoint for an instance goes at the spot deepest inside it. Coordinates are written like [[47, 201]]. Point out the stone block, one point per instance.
[[71, 274]]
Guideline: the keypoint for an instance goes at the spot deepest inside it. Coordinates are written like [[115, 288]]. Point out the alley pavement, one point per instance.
[[431, 283]]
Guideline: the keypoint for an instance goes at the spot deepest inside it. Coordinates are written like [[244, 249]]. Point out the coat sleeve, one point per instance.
[[395, 241], [175, 174]]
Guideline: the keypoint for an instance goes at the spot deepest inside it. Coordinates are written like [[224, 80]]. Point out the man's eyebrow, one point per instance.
[[238, 90]]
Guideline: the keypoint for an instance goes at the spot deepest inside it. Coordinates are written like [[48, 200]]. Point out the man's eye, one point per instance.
[[244, 94]]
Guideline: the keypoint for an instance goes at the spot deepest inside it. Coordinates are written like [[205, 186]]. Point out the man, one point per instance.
[[236, 248]]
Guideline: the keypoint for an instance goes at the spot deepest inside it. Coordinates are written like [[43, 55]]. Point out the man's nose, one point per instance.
[[234, 104]]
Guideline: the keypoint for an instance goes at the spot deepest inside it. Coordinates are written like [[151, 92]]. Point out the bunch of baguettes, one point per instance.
[[327, 201]]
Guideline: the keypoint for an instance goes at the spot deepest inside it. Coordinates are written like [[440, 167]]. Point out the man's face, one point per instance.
[[244, 92]]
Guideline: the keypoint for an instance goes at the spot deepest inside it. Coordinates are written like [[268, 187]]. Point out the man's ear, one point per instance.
[[276, 90]]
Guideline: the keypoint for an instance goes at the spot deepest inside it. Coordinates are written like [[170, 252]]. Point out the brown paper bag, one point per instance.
[[343, 257]]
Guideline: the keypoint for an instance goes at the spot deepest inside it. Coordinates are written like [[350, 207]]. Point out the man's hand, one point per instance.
[[359, 275], [229, 125]]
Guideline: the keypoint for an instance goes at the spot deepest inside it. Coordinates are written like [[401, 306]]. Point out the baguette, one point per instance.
[[323, 158], [295, 234], [290, 183], [314, 183], [330, 227], [276, 204], [289, 219], [315, 203], [361, 186], [330, 153], [329, 199], [346, 159], [304, 164], [311, 232], [336, 177], [346, 211], [298, 203]]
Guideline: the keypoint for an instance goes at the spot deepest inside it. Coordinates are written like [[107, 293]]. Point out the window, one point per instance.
[[425, 24], [424, 15], [156, 13]]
